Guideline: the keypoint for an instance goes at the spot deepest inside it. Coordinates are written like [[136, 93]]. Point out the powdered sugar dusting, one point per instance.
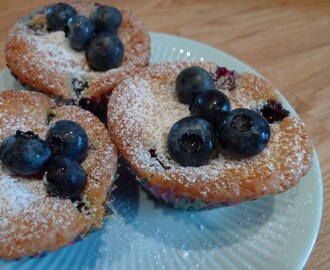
[[28, 213], [63, 57], [146, 107], [45, 60], [18, 194]]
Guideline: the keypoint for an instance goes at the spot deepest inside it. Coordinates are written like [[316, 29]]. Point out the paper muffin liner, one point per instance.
[[172, 198]]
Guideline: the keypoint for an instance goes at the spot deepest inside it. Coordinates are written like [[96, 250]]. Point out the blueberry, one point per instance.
[[79, 32], [191, 82], [58, 16], [68, 138], [105, 52], [24, 153], [243, 132], [106, 19], [192, 141], [64, 177], [211, 105], [273, 111]]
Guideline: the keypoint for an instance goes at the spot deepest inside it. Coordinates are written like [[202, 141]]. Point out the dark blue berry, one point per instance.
[[64, 177], [192, 141], [243, 132], [58, 16], [191, 82], [79, 85], [105, 52], [24, 153], [211, 105], [273, 111], [67, 138], [106, 19], [79, 32]]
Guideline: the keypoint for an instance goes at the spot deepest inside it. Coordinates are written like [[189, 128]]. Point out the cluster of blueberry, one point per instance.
[[194, 140], [97, 35], [65, 145]]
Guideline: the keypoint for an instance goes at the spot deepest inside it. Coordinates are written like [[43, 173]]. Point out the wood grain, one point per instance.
[[287, 41]]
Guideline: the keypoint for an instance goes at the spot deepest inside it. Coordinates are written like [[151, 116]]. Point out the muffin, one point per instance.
[[49, 59], [144, 110], [34, 220]]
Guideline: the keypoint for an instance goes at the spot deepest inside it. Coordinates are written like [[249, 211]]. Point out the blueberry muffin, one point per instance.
[[57, 166], [77, 52], [201, 136]]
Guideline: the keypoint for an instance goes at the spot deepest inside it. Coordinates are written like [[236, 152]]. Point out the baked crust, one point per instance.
[[45, 61], [31, 220], [143, 108]]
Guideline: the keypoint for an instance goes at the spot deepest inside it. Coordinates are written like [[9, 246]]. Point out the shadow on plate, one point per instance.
[[142, 226]]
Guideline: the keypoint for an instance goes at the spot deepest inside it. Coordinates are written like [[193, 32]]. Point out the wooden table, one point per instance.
[[287, 41]]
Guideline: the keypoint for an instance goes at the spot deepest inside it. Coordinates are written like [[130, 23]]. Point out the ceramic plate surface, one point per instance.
[[275, 232]]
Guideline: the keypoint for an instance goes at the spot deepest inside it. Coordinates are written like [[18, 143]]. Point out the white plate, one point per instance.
[[276, 232]]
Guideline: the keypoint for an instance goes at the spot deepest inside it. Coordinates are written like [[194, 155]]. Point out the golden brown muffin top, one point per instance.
[[45, 61], [142, 110], [31, 219]]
